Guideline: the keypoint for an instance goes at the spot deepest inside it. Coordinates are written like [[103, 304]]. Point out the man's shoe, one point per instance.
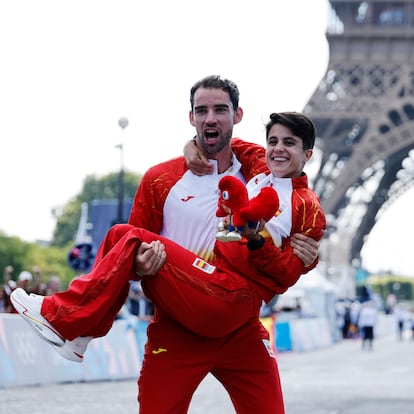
[[29, 307], [74, 350]]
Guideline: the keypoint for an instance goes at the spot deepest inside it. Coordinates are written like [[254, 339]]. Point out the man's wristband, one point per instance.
[[139, 274], [255, 244]]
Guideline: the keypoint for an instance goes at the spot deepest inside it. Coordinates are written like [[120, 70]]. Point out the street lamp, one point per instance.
[[123, 123]]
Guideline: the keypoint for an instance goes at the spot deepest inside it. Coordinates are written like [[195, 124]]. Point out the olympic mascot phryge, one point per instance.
[[234, 203]]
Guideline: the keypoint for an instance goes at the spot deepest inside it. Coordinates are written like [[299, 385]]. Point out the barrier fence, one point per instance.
[[25, 359]]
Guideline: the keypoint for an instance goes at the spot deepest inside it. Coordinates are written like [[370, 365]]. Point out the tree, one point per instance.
[[22, 255], [94, 188], [13, 252]]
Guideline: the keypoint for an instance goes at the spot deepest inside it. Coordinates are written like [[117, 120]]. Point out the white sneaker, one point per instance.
[[29, 307], [74, 350]]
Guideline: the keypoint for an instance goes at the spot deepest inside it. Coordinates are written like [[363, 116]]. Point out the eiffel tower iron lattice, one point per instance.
[[363, 109]]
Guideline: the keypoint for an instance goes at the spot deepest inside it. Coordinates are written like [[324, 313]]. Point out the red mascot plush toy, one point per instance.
[[234, 202]]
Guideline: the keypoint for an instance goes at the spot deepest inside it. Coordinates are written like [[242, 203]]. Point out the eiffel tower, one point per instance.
[[363, 109]]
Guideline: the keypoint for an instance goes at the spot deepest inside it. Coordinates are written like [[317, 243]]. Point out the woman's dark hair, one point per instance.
[[298, 123]]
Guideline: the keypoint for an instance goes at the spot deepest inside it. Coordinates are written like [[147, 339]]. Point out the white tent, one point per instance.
[[316, 296]]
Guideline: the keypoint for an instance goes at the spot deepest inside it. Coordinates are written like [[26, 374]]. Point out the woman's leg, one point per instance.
[[90, 304], [204, 299]]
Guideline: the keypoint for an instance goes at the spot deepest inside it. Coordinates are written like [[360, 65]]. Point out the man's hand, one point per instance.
[[305, 248], [149, 258], [196, 161]]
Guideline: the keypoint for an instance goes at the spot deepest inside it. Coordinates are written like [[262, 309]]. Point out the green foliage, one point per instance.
[[94, 188], [67, 223], [51, 261], [26, 256], [400, 286], [13, 252]]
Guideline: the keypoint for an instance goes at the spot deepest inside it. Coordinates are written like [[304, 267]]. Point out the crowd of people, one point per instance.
[[29, 281], [359, 320]]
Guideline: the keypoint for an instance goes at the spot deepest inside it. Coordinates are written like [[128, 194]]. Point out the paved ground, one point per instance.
[[342, 379]]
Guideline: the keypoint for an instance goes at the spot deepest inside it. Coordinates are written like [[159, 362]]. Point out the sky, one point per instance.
[[71, 69]]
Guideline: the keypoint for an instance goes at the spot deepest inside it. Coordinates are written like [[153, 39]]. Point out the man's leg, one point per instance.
[[175, 362], [248, 370]]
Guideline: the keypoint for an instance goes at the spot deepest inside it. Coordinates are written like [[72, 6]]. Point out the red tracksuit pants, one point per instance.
[[177, 360], [209, 301]]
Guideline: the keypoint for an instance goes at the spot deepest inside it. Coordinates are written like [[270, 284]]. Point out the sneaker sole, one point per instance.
[[70, 355], [46, 332]]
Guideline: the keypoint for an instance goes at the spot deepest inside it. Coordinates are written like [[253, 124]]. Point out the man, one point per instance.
[[179, 205]]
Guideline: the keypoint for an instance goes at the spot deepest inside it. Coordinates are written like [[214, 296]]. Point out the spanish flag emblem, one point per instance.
[[204, 266]]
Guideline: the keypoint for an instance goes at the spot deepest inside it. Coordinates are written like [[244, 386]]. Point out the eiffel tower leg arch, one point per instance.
[[363, 110]]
